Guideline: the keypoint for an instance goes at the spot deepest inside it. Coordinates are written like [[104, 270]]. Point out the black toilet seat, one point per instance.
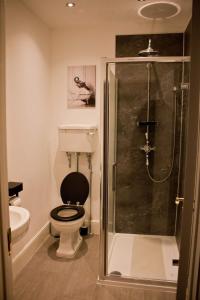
[[74, 190], [80, 211]]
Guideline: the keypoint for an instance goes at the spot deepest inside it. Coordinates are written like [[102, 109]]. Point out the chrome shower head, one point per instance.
[[149, 51]]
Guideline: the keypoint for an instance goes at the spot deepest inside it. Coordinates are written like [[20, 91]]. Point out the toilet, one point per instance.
[[68, 218]]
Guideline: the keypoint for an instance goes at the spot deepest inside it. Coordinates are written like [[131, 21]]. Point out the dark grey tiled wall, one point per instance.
[[167, 44], [142, 206]]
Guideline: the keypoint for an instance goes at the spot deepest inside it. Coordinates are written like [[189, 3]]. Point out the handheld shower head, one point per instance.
[[149, 51]]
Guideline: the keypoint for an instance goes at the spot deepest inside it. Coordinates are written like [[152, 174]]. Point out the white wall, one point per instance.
[[28, 112]]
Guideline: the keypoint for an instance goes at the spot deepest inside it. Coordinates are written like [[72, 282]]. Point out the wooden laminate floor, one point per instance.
[[47, 277]]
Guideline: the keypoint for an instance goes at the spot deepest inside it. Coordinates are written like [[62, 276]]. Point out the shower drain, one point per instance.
[[116, 273]]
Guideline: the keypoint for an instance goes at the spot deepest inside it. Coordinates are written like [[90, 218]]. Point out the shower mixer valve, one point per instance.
[[147, 148]]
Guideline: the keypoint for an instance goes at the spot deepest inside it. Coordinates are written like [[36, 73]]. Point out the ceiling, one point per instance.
[[102, 12]]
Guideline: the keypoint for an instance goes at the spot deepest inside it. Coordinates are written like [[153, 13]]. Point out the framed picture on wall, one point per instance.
[[81, 89]]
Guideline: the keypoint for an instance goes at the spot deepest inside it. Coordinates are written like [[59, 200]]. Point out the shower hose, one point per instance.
[[174, 142]]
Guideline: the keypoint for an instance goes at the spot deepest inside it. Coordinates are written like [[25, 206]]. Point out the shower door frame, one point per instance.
[[167, 286]]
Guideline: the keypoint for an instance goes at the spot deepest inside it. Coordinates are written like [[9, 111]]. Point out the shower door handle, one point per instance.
[[114, 176]]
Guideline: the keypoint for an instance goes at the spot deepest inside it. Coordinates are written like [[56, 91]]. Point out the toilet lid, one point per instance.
[[74, 188]]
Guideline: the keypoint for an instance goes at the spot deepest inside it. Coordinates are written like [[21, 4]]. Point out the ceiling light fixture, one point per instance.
[[70, 4], [159, 10]]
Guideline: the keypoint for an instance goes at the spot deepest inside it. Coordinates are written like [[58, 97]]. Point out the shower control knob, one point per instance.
[[153, 148], [147, 148]]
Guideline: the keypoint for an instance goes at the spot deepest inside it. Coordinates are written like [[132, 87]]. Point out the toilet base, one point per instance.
[[69, 244]]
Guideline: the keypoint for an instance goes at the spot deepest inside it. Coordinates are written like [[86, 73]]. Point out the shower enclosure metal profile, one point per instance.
[[109, 163]]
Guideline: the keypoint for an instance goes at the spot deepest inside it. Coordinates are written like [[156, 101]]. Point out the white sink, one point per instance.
[[19, 221]]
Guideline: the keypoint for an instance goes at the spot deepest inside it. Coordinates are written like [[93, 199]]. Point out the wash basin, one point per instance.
[[19, 221]]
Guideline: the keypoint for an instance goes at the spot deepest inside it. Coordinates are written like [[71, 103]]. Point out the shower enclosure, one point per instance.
[[145, 115]]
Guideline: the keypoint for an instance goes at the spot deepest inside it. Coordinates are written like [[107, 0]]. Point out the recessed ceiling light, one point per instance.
[[70, 4]]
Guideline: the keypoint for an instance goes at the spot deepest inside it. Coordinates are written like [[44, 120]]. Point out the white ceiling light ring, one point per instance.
[[166, 9]]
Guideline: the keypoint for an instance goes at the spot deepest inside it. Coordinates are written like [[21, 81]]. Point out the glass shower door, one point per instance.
[[140, 211], [112, 123]]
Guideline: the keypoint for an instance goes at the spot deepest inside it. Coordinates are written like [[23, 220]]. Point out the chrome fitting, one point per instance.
[[179, 200], [185, 86]]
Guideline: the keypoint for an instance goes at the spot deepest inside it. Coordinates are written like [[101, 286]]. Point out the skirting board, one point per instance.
[[95, 226], [24, 256]]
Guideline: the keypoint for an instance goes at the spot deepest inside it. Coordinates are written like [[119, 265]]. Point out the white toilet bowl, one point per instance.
[[70, 238]]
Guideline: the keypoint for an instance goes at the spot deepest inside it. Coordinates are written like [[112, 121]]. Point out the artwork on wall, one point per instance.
[[81, 90]]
